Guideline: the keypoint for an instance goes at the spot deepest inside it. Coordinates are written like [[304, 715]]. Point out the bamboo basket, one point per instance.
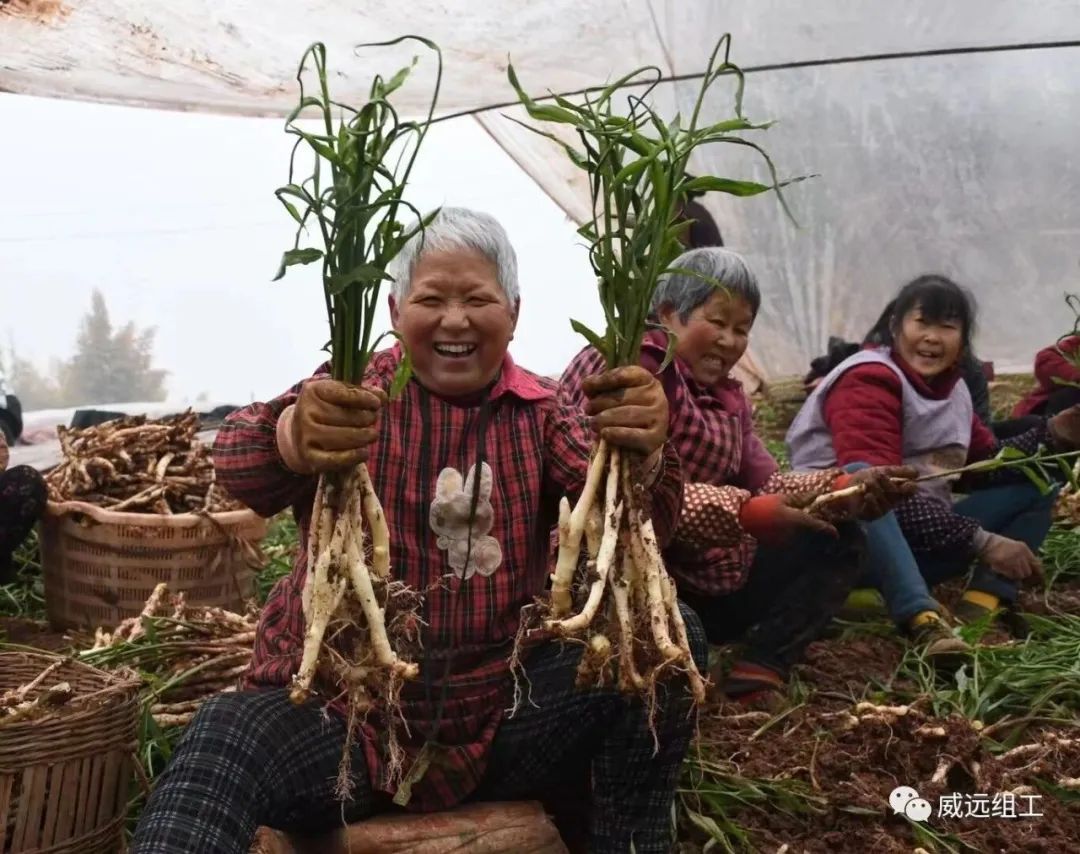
[[65, 775], [101, 566]]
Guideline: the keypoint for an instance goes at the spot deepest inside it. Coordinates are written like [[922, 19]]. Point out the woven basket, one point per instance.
[[65, 776], [101, 566]]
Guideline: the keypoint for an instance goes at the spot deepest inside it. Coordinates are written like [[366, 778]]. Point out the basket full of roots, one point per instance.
[[610, 589], [361, 625], [133, 504]]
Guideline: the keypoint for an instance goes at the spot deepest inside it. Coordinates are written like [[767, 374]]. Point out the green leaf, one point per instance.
[[294, 257], [1040, 483], [713, 184], [1068, 796], [669, 355], [360, 274], [402, 374], [395, 82], [593, 338]]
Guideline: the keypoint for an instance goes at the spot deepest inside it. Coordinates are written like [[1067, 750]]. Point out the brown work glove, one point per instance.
[[331, 427], [629, 409]]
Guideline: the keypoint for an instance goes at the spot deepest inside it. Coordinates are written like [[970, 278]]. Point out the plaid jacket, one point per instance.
[[538, 451], [712, 429]]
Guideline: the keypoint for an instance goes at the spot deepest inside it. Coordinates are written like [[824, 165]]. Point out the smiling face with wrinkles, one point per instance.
[[455, 321]]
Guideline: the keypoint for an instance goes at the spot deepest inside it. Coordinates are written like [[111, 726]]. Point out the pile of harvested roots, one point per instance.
[[626, 608], [34, 699], [139, 466], [186, 653]]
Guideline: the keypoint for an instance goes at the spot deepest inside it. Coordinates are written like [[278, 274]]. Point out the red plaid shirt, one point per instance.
[[538, 451], [712, 429]]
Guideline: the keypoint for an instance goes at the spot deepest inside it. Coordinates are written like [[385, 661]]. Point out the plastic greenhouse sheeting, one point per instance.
[[964, 164]]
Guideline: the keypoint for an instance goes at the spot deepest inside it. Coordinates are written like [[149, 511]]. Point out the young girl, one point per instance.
[[905, 402]]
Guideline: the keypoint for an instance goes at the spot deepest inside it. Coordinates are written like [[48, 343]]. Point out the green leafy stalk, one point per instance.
[[1032, 466], [353, 199], [636, 165]]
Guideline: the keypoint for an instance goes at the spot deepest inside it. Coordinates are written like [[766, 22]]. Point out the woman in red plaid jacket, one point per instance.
[[755, 567], [252, 757]]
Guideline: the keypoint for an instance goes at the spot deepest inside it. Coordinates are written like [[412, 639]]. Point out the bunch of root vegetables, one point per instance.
[[137, 465], [186, 653], [37, 697]]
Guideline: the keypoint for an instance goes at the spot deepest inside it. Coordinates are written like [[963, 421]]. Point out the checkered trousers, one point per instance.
[[253, 758]]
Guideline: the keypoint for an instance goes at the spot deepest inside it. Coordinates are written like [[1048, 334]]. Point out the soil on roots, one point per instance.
[[845, 748]]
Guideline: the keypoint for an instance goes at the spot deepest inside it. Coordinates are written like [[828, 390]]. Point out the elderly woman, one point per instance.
[[22, 501], [253, 758], [754, 566]]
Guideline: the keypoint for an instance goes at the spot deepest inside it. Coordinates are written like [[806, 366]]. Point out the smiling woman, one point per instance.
[[933, 322], [455, 302], [710, 303]]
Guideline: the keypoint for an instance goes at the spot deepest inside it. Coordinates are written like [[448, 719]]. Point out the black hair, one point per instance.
[[703, 229], [880, 334], [939, 299]]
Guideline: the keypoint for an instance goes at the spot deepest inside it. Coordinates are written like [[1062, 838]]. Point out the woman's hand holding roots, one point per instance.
[[356, 617], [625, 608]]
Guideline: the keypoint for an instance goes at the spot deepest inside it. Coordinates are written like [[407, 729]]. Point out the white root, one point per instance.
[[605, 556], [941, 772], [594, 531], [570, 545], [321, 514], [697, 682], [838, 495], [326, 595], [373, 614], [18, 695], [628, 672], [626, 586], [376, 520], [336, 563], [643, 539], [891, 711]]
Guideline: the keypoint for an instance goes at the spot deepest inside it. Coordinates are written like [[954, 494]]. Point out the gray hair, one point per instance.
[[459, 228], [707, 267]]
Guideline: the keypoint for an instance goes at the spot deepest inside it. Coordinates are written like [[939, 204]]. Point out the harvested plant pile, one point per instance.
[[624, 605], [185, 653], [136, 465], [815, 776], [352, 201], [37, 697]]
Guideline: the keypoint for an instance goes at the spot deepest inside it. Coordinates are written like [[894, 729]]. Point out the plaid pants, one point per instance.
[[253, 758]]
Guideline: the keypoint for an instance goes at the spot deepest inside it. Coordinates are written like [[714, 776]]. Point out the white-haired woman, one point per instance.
[[252, 757], [754, 566]]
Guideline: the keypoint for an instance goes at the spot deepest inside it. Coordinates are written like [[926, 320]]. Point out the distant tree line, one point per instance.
[[109, 365]]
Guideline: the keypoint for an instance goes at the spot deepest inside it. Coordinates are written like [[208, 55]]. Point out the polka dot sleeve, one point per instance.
[[710, 515]]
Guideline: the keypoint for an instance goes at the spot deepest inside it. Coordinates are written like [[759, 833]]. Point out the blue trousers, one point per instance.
[[1015, 510]]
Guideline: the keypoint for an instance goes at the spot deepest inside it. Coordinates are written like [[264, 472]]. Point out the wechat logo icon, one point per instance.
[[905, 801]]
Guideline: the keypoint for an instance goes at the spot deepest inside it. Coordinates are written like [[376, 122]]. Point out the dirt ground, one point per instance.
[[843, 759]]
